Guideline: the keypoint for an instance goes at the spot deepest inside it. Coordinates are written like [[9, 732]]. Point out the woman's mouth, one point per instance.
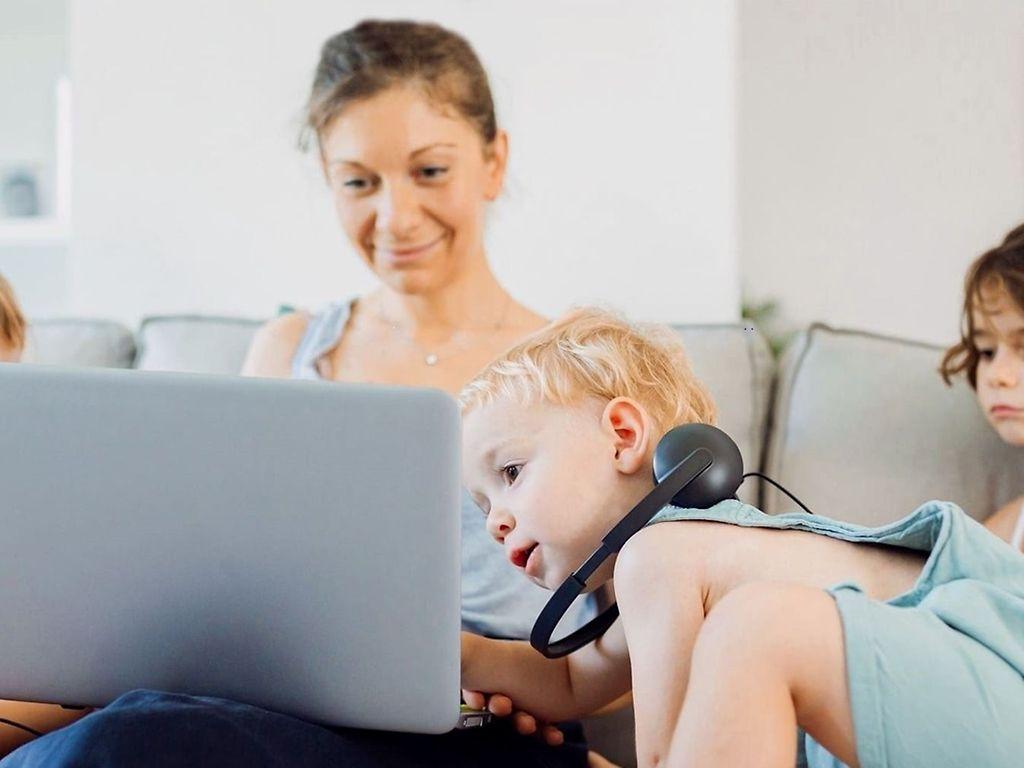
[[407, 253]]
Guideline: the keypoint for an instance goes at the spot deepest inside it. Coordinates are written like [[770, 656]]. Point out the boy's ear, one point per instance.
[[631, 430]]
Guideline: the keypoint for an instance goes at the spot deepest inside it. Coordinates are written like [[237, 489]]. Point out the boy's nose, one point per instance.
[[500, 524]]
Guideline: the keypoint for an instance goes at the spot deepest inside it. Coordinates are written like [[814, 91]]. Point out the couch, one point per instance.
[[859, 426]]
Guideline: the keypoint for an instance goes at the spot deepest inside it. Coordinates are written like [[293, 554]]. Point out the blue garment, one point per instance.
[[936, 674], [147, 729], [153, 729]]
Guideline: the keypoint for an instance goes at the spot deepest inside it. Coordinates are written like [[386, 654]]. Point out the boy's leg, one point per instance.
[[768, 657]]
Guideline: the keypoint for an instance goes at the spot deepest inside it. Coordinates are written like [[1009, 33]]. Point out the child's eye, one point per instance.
[[510, 472], [986, 354]]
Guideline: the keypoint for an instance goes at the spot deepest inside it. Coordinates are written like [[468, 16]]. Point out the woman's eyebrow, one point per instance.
[[447, 144]]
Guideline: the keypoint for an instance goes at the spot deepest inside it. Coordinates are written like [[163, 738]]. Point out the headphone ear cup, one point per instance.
[[719, 482]]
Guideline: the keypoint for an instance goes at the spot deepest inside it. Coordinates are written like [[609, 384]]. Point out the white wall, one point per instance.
[[881, 149], [33, 54], [189, 194]]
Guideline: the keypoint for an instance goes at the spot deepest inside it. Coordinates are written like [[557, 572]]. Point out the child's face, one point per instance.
[[999, 337], [8, 352], [551, 480]]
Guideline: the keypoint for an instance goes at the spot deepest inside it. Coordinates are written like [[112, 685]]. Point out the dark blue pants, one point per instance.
[[151, 729]]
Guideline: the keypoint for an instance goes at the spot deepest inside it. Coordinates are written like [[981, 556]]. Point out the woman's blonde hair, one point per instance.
[[596, 353], [12, 321]]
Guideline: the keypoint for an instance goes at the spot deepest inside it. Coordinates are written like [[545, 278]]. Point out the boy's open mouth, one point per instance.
[[520, 557]]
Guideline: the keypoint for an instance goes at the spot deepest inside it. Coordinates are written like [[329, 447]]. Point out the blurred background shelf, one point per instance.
[[39, 230]]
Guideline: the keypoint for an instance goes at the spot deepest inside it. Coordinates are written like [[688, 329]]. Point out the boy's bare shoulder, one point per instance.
[[677, 549]]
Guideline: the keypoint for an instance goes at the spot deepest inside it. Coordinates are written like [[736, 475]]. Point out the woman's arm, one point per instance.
[[551, 689], [273, 347]]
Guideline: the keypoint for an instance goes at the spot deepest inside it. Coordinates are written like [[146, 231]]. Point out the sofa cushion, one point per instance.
[[194, 343], [735, 362], [864, 430], [100, 343]]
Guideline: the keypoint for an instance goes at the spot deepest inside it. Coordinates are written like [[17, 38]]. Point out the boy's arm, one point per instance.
[[550, 689], [661, 604]]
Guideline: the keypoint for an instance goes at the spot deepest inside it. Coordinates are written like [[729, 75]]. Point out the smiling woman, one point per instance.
[[402, 116]]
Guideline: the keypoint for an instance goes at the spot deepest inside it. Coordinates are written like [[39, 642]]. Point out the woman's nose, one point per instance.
[[500, 524], [397, 210]]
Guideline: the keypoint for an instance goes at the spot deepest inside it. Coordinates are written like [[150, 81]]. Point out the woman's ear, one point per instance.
[[495, 163], [630, 429]]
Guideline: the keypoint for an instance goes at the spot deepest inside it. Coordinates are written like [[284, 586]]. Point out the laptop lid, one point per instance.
[[293, 545]]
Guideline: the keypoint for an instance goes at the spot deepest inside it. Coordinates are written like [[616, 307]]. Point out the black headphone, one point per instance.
[[695, 466]]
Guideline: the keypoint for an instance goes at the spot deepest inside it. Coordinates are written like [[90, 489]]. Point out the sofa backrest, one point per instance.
[[194, 343], [91, 343], [735, 363], [864, 429]]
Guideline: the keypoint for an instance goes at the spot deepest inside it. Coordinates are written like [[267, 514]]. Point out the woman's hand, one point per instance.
[[525, 723]]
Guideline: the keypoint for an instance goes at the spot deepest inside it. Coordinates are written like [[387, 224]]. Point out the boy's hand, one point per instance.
[[525, 723]]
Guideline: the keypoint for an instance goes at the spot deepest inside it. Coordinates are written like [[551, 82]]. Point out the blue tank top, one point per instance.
[[497, 600]]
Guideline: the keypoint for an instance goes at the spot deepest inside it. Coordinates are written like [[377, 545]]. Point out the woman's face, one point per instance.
[[999, 337], [411, 182]]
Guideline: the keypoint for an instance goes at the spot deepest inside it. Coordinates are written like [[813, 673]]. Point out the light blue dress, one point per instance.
[[936, 675], [497, 600]]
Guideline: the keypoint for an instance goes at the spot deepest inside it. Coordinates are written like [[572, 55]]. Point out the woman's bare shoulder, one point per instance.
[[273, 347]]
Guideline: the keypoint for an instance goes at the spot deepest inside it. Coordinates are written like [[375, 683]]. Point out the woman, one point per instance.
[[404, 123], [991, 354]]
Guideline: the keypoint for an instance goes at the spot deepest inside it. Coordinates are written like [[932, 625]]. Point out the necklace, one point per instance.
[[446, 350]]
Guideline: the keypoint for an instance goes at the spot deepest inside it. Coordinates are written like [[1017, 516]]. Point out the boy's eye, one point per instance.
[[511, 472]]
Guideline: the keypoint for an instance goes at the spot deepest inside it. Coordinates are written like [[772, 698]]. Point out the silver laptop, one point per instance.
[[293, 545]]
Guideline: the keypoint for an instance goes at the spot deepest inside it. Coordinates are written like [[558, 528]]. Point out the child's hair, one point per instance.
[[12, 322], [596, 353], [998, 270]]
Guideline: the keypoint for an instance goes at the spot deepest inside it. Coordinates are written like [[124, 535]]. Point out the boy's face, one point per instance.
[[551, 480], [999, 337]]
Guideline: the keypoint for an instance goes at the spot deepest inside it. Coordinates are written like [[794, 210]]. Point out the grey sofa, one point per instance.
[[858, 426]]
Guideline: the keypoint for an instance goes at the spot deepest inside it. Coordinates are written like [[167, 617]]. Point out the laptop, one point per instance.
[[293, 545]]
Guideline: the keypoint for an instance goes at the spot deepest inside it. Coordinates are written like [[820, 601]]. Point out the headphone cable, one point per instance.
[[779, 486]]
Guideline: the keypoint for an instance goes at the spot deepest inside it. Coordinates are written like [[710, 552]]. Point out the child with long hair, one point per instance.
[[991, 355]]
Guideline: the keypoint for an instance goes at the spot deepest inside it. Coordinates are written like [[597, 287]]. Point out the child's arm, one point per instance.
[[660, 593], [550, 689]]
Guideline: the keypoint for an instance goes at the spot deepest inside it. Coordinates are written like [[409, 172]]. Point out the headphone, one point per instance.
[[695, 466]]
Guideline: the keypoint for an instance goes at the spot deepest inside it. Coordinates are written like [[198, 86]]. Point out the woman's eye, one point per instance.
[[433, 172], [511, 472]]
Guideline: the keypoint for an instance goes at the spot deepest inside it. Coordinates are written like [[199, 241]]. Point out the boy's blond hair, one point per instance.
[[12, 321], [596, 353]]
